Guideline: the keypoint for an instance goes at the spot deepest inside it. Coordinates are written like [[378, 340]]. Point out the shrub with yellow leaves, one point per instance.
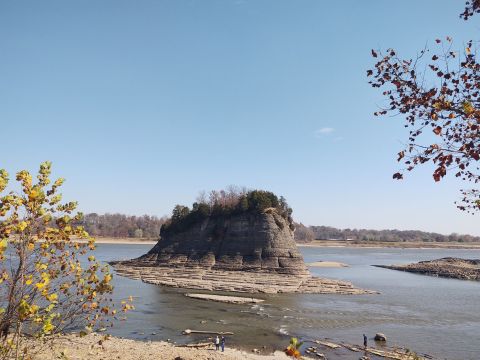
[[293, 349], [48, 282]]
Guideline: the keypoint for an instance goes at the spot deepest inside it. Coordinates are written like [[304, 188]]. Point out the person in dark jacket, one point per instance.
[[223, 343], [364, 341]]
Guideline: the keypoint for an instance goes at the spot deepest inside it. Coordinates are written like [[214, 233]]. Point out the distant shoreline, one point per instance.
[[324, 243], [125, 241], [398, 245]]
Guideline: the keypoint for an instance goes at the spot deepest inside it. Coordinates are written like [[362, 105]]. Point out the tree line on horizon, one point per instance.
[[146, 226], [331, 233], [123, 226]]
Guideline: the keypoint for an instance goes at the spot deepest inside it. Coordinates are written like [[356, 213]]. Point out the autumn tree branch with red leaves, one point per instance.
[[438, 93]]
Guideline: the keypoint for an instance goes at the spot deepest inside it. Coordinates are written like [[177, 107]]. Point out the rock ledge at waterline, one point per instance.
[[449, 267], [248, 253]]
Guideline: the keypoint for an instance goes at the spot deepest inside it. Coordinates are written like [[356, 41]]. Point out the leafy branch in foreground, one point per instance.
[[472, 7], [441, 107], [441, 94], [49, 283]]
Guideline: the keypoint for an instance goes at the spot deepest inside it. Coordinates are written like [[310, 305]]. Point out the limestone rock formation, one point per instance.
[[449, 267], [251, 252], [247, 242]]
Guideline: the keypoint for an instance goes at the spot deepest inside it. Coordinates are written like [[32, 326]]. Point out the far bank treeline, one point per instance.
[[236, 200]]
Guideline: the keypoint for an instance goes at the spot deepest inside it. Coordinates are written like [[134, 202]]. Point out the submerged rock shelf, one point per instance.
[[449, 267]]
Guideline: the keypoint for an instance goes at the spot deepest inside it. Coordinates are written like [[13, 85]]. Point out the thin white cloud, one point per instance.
[[323, 131]]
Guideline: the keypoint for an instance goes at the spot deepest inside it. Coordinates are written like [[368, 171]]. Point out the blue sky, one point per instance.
[[142, 104]]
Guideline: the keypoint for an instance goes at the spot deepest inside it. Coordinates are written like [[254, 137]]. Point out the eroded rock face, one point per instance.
[[247, 242], [246, 253]]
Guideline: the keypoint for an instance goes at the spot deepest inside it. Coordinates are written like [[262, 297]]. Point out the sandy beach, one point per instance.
[[327, 264], [125, 241], [93, 347]]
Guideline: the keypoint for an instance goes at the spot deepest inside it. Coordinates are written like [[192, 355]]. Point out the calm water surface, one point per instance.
[[440, 317]]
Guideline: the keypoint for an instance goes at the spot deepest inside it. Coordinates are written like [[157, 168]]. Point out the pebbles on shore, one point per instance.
[[93, 347]]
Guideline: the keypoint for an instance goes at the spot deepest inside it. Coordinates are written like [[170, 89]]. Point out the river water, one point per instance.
[[436, 316]]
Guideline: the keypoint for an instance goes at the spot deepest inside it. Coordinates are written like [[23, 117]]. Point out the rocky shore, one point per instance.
[[449, 267], [96, 347]]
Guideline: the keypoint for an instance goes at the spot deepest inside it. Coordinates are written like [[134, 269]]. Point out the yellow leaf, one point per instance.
[[45, 277], [22, 226], [468, 107], [34, 194], [3, 245], [31, 246], [59, 182], [48, 327], [52, 297]]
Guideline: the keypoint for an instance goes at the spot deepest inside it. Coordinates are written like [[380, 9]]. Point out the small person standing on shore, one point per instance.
[[223, 343], [217, 343], [364, 341]]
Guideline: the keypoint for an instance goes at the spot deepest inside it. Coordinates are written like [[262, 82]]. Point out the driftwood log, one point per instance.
[[189, 331], [394, 354], [199, 345]]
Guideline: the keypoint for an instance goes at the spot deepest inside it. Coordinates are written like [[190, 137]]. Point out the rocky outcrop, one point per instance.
[[248, 252], [247, 242], [448, 267]]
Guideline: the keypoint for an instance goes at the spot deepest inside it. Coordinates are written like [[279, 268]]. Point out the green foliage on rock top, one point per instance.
[[224, 204]]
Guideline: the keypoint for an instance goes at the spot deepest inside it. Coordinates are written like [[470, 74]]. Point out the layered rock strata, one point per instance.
[[448, 267], [234, 281], [249, 252]]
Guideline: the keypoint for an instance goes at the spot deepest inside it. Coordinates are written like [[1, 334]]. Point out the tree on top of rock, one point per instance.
[[223, 203]]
